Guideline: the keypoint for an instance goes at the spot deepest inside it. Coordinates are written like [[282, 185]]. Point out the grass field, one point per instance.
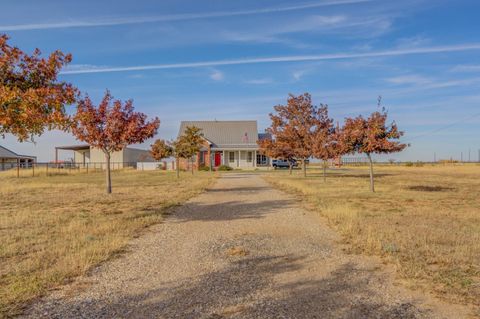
[[424, 220], [55, 228]]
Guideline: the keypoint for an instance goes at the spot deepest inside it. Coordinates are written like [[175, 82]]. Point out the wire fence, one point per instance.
[[24, 169]]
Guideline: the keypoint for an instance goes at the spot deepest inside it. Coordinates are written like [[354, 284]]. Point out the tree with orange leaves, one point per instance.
[[161, 149], [293, 127], [111, 127], [325, 144], [371, 136], [31, 97]]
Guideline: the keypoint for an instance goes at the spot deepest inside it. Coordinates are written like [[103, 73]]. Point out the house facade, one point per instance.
[[10, 159], [231, 143], [85, 154]]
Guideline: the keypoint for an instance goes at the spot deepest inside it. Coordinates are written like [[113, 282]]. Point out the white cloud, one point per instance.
[[409, 79], [259, 81], [173, 17], [217, 75], [280, 59], [466, 68], [297, 75]]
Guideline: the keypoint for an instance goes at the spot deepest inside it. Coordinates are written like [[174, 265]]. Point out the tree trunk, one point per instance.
[[109, 178], [324, 171], [192, 164], [304, 167], [177, 166], [290, 167], [372, 184]]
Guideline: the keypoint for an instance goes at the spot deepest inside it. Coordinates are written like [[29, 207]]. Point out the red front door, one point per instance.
[[218, 159]]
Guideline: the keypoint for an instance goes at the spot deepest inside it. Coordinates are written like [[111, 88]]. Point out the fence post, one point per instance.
[[87, 168], [47, 170], [18, 167], [33, 169]]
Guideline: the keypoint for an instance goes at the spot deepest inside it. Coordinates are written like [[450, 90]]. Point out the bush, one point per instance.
[[224, 168], [204, 168], [409, 164]]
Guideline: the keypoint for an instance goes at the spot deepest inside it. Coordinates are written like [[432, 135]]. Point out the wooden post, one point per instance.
[[46, 173], [33, 169], [87, 168], [18, 167]]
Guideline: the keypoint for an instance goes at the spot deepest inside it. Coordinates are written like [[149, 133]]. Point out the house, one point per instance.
[[231, 143], [10, 159], [86, 155]]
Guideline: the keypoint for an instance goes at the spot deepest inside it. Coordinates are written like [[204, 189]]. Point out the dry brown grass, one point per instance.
[[55, 228], [425, 220]]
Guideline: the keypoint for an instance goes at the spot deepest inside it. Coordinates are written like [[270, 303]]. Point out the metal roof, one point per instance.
[[6, 153], [226, 133], [74, 147]]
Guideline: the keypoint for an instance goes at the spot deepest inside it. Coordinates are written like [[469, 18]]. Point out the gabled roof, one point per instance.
[[6, 153], [226, 133]]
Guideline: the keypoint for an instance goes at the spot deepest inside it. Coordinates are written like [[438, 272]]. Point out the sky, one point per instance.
[[233, 60]]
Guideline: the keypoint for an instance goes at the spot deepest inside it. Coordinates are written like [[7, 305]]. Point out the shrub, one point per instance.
[[204, 168], [408, 164], [224, 168]]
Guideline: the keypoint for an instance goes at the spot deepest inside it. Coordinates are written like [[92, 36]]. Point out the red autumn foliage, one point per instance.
[[371, 135], [31, 97], [292, 129], [111, 126], [325, 143]]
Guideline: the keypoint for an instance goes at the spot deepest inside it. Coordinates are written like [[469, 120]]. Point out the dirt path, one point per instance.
[[240, 250]]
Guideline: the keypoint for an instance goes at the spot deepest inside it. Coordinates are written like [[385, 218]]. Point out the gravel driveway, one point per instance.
[[240, 250]]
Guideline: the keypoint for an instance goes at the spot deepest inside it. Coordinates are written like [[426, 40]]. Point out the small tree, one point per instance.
[[293, 126], [371, 135], [161, 149], [189, 144], [111, 127], [31, 97], [274, 149], [325, 143]]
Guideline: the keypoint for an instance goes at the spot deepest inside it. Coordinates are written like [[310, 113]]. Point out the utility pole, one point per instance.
[[434, 157], [461, 157], [469, 155]]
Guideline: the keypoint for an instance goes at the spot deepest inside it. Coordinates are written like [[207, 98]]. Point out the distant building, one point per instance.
[[84, 155], [231, 143], [10, 159]]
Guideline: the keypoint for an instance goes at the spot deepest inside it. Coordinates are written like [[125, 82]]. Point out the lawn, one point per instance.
[[57, 227], [424, 220]]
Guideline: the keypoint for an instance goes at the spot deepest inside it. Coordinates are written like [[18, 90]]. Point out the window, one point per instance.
[[231, 157], [261, 159], [249, 157]]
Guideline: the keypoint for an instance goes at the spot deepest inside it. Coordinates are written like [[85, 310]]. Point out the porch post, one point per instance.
[[238, 159], [209, 156], [254, 159], [224, 159]]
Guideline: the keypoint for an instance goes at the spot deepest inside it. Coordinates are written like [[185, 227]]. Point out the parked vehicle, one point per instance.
[[281, 163]]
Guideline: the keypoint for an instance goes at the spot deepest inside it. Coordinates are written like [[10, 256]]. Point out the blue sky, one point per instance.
[[187, 60]]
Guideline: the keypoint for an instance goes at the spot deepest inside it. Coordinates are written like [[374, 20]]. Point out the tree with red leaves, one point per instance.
[[371, 136], [31, 97], [325, 144], [111, 126], [293, 127]]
